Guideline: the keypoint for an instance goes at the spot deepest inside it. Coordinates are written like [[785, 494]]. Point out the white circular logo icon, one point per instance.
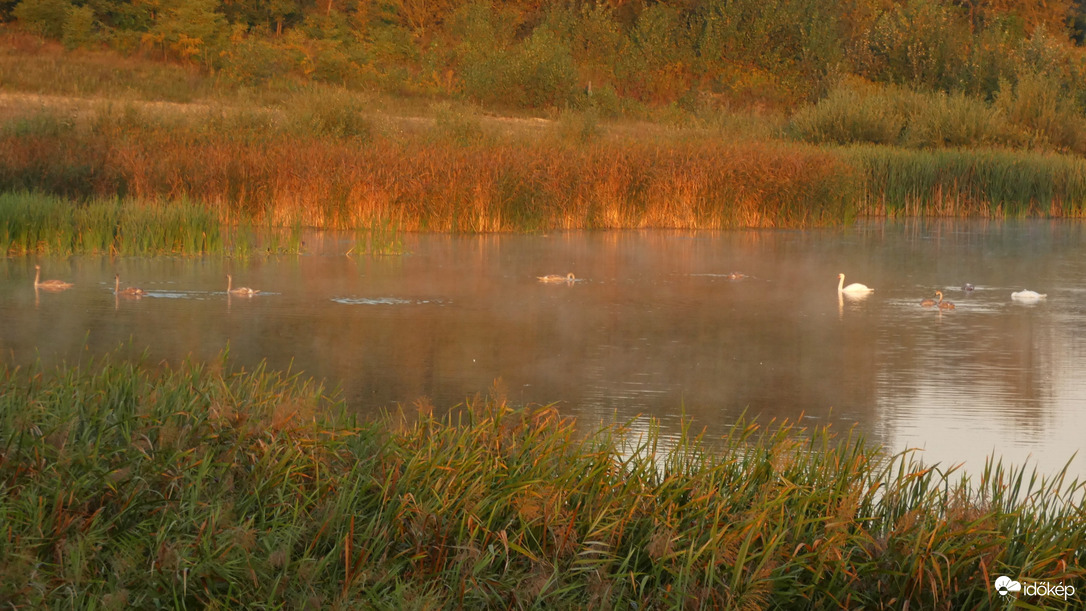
[[1005, 585]]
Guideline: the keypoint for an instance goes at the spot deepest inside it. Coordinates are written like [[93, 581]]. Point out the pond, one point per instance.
[[657, 324]]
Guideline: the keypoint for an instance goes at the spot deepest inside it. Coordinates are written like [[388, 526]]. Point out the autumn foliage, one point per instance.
[[617, 55]]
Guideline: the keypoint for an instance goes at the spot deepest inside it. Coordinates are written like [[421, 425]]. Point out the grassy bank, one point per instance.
[[139, 486]]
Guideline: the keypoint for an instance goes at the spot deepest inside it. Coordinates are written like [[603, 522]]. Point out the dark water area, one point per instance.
[[658, 325]]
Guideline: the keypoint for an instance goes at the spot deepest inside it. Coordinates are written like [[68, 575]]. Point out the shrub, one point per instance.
[[848, 116], [544, 73], [43, 17], [955, 120], [1036, 112], [78, 29], [253, 61], [579, 127], [1042, 109], [916, 42], [457, 123], [332, 113]]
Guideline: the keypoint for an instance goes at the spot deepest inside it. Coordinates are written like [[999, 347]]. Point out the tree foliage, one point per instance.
[[544, 53]]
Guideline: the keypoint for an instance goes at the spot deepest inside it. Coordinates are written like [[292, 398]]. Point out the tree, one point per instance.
[[190, 28], [43, 17], [1052, 15], [79, 27]]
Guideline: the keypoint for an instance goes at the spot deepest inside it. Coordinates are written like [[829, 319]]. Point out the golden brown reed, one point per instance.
[[418, 183]]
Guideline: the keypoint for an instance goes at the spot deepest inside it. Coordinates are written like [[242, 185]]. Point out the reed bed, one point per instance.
[[990, 183], [130, 485], [54, 225], [333, 168], [436, 179]]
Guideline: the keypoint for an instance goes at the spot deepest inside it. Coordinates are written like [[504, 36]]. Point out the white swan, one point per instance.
[[1028, 296], [49, 285], [556, 278], [241, 290], [854, 289]]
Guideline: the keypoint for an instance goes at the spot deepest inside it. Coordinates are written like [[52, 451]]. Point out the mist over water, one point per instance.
[[656, 325]]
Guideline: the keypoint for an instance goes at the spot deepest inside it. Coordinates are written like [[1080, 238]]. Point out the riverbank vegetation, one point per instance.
[[34, 223], [621, 56], [140, 485], [453, 175], [219, 172], [528, 116]]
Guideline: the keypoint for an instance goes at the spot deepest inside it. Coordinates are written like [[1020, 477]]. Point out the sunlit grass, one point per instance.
[[139, 486], [991, 183], [45, 224]]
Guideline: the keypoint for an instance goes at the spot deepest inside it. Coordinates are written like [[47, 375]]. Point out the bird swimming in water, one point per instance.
[[928, 302], [128, 292], [243, 290], [943, 305], [49, 285], [570, 278], [967, 287], [854, 288], [1028, 296]]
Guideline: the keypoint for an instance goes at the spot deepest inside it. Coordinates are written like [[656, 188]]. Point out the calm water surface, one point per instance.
[[653, 327]]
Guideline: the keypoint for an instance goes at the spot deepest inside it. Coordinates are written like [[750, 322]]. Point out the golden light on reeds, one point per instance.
[[425, 184]]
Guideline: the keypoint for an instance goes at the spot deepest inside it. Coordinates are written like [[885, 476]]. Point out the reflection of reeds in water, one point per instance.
[[380, 239], [207, 487]]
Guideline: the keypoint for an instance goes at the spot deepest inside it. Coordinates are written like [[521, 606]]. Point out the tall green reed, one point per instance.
[[197, 486], [45, 224], [993, 183]]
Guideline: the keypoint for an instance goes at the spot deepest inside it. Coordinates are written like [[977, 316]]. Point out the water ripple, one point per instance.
[[381, 301]]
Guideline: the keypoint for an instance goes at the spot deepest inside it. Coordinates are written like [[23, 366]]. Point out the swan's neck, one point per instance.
[[117, 284], [229, 283], [37, 276], [840, 282]]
